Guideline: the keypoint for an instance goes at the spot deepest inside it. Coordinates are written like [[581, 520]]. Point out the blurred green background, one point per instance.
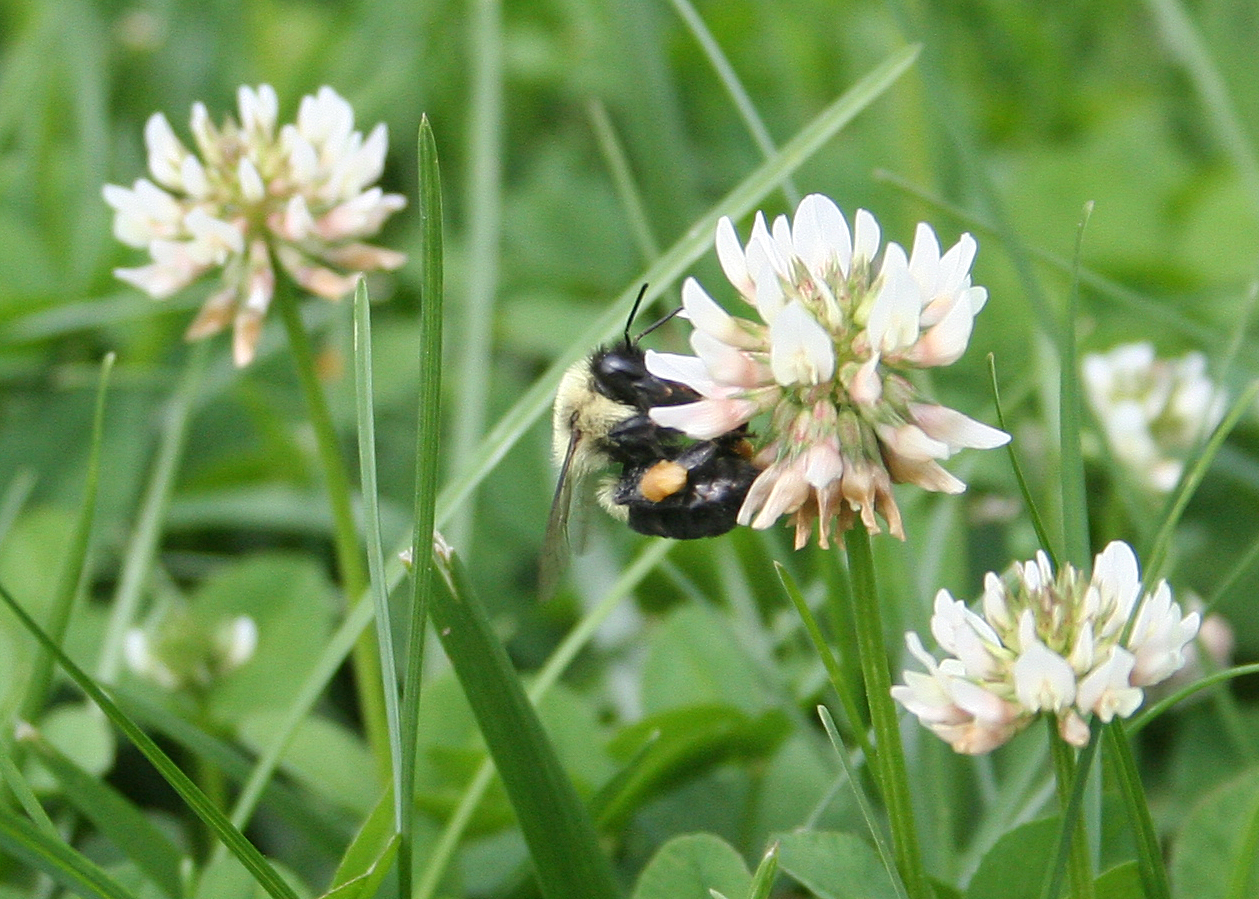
[[1015, 115]]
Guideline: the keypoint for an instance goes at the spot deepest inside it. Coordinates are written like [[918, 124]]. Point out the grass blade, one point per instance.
[[1075, 521], [863, 803], [268, 878], [568, 859], [622, 177], [1156, 556], [74, 566], [1042, 534], [427, 464], [473, 344], [838, 682], [58, 860], [734, 87], [371, 525], [556, 665], [142, 547], [114, 816], [1149, 855]]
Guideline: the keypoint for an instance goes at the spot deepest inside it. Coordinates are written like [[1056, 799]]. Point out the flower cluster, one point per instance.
[[178, 652], [1058, 645], [1153, 411], [253, 195], [840, 325]]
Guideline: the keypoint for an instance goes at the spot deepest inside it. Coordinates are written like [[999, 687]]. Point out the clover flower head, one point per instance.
[[840, 326], [252, 194], [177, 651], [1046, 643], [1152, 411]]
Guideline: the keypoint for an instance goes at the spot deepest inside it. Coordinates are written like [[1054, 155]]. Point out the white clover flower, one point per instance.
[[253, 195], [1046, 644], [1152, 411], [838, 328], [178, 652]]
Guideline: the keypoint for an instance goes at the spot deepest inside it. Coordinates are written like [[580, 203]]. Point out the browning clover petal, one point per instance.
[[839, 325], [250, 195]]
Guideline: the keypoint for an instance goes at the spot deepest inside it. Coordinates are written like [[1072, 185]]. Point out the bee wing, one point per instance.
[[555, 548]]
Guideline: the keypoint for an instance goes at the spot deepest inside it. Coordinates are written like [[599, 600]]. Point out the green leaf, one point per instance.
[[766, 871], [369, 856], [835, 865], [59, 861], [374, 841], [291, 602], [1011, 869], [78, 731], [687, 867], [567, 855], [696, 659], [325, 757], [685, 742], [1120, 882], [1215, 855], [114, 816]]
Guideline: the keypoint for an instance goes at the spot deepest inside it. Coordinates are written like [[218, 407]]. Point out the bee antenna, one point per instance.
[[642, 292], [657, 324]]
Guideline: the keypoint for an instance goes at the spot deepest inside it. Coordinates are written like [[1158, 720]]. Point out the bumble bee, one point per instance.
[[668, 485]]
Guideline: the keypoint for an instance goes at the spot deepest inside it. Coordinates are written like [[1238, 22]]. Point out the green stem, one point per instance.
[[889, 761], [1149, 855], [350, 563], [1078, 867]]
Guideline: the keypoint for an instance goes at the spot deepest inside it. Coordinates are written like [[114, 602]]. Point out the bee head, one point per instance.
[[620, 371]]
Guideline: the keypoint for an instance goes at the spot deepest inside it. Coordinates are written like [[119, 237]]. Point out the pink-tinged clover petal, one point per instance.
[[822, 465], [1073, 729], [727, 365], [801, 349], [706, 418], [945, 342], [911, 442], [361, 257], [866, 387], [955, 429], [787, 492]]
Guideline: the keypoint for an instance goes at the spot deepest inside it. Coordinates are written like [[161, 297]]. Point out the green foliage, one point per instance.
[[587, 148]]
